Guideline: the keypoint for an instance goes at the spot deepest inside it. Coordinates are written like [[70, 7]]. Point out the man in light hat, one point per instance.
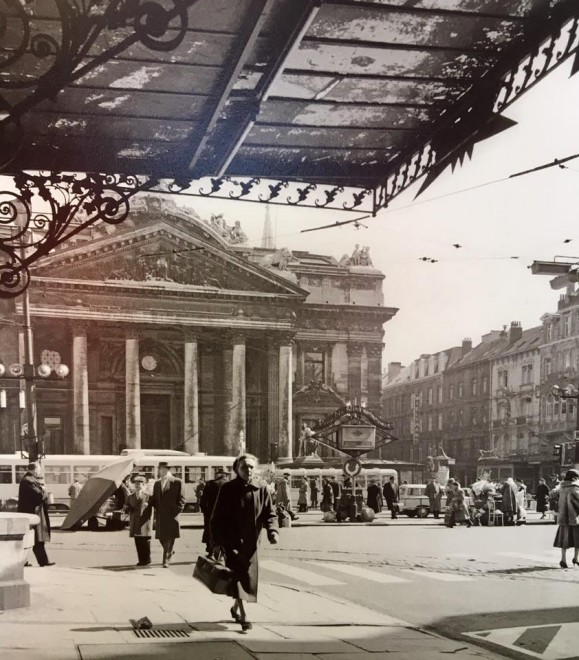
[[168, 502], [136, 504], [283, 494], [33, 498]]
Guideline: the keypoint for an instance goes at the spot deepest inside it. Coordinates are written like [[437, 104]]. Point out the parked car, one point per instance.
[[414, 503]]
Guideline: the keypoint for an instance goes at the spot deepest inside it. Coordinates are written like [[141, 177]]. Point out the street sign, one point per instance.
[[352, 467], [358, 437]]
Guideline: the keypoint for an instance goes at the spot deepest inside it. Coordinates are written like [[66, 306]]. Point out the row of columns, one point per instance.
[[234, 412]]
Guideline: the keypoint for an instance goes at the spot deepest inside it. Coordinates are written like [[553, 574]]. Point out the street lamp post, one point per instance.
[[570, 392]]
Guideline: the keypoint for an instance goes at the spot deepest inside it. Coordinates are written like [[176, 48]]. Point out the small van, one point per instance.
[[412, 500]]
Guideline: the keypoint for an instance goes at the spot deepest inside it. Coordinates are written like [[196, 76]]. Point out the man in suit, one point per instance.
[[33, 498], [168, 502], [283, 495], [391, 497]]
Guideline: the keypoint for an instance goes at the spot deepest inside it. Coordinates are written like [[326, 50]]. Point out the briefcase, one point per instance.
[[215, 576]]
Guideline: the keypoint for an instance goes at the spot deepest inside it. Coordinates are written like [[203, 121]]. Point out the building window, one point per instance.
[[430, 422], [460, 390], [474, 419], [547, 366], [474, 387], [460, 417], [440, 394], [314, 367], [440, 421], [503, 378], [430, 396], [550, 405], [451, 392], [567, 360], [527, 375], [566, 325], [485, 385]]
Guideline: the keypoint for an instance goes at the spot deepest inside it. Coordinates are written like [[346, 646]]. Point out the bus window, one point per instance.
[[57, 474], [5, 474], [21, 470], [194, 473], [176, 471], [147, 471], [84, 472]]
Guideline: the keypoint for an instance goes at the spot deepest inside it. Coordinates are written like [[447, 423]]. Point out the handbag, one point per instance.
[[283, 516], [215, 576]]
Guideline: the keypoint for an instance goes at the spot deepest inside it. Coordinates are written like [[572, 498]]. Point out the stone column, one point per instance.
[[273, 397], [355, 372], [132, 393], [234, 380], [80, 409], [285, 399], [374, 353], [191, 395]]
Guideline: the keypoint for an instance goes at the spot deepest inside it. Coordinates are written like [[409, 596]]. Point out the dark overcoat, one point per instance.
[[542, 498], [390, 494], [374, 500], [32, 498], [136, 505], [207, 504], [242, 510], [168, 504], [434, 494]]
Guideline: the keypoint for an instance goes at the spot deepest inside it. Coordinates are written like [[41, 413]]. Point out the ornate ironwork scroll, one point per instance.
[[43, 60], [64, 205]]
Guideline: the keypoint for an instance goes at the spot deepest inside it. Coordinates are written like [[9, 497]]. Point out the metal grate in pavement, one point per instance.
[[161, 633]]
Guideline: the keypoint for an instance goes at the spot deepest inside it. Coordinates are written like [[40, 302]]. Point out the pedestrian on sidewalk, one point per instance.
[[283, 495], [336, 490], [207, 504], [509, 502], [458, 510], [303, 496], [568, 518], [74, 490], [327, 503], [314, 490], [542, 496], [199, 491], [242, 510], [33, 498], [434, 493], [521, 498], [140, 530], [374, 499], [168, 502], [391, 496]]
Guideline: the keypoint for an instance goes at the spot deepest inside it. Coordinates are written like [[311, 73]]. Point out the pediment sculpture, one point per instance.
[[359, 257], [233, 234]]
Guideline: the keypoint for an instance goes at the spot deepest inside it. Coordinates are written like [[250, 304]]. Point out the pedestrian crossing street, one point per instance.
[[335, 574]]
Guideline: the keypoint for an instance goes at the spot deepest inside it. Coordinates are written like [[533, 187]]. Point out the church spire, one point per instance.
[[267, 240]]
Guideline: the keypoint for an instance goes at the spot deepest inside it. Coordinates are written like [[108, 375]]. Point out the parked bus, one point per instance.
[[61, 470]]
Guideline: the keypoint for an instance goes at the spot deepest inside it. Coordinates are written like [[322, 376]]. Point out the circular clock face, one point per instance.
[[149, 363]]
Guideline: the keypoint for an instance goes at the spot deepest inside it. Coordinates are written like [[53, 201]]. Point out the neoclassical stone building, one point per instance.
[[180, 336]]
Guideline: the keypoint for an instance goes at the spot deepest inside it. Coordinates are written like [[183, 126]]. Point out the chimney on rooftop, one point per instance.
[[515, 332], [466, 346], [394, 369]]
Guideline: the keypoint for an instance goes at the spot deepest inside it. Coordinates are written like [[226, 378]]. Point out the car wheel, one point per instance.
[[411, 514], [422, 512]]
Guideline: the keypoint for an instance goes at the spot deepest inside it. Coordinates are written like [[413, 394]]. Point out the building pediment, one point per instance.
[[165, 252]]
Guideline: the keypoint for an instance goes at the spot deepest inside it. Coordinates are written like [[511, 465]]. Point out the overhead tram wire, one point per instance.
[[558, 162]]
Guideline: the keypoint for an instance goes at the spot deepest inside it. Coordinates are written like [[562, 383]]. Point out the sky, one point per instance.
[[478, 287]]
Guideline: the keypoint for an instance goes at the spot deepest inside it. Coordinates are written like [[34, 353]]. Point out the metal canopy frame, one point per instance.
[[245, 98]]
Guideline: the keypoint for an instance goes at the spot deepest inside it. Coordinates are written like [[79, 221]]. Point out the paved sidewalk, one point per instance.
[[86, 614]]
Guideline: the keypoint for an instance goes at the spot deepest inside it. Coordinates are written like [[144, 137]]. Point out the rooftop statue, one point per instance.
[[359, 257], [233, 234]]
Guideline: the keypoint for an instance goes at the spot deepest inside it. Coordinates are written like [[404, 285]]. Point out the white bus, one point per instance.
[[61, 470], [381, 475]]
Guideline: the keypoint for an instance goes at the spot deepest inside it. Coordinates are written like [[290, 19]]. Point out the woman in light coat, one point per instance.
[[568, 518], [139, 529], [303, 496]]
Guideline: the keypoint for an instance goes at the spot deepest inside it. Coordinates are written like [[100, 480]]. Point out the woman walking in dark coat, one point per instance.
[[568, 519], [33, 498], [207, 504], [542, 496], [242, 510], [135, 505]]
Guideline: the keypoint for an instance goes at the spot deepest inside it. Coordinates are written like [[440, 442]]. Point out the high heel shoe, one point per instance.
[[246, 625], [575, 562], [235, 616], [563, 564]]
